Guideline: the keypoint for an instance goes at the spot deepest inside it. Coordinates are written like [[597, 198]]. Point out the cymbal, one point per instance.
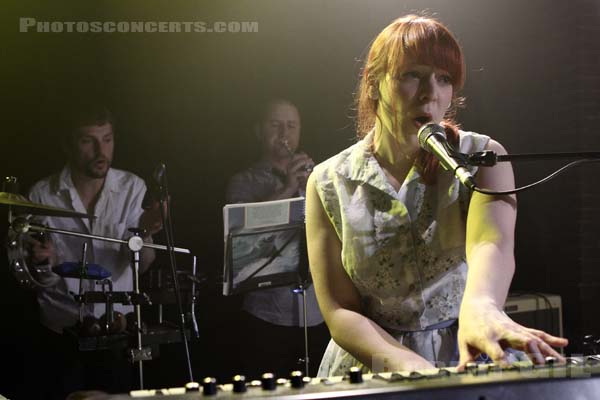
[[21, 204]]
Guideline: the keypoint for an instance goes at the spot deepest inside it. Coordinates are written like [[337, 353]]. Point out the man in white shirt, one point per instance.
[[88, 184]]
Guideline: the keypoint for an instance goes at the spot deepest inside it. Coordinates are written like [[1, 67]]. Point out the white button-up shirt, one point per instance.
[[119, 208]]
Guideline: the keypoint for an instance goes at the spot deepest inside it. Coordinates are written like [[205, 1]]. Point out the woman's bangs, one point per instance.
[[428, 46]]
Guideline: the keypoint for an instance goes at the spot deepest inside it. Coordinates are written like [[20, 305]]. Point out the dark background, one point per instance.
[[189, 99]]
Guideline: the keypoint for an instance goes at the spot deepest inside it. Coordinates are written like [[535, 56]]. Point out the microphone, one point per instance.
[[432, 138], [159, 174], [156, 188]]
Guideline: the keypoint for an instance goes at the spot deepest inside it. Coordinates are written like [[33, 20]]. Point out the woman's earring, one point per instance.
[[373, 93]]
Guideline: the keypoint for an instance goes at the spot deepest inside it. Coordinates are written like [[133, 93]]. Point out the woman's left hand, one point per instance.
[[484, 328]]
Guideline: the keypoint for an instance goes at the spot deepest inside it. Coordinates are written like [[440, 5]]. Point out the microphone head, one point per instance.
[[427, 130], [159, 173]]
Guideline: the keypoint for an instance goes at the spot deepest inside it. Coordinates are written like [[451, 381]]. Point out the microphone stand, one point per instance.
[[489, 158], [432, 138], [167, 224]]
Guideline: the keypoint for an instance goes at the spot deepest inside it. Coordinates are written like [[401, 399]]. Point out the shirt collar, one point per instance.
[[362, 166], [65, 182]]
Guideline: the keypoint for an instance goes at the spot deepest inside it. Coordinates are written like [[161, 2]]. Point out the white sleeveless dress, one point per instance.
[[404, 251]]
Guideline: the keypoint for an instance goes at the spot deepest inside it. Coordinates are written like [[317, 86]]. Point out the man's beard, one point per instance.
[[92, 171]]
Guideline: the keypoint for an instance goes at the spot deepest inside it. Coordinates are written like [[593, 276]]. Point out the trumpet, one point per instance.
[[307, 167]]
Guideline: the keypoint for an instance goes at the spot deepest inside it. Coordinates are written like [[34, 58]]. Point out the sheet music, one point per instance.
[[262, 244]]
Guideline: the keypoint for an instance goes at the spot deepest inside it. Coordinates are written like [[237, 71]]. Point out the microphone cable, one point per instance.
[[543, 180], [488, 159]]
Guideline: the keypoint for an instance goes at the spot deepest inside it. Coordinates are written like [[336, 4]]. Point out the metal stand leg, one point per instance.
[[138, 316], [109, 307], [306, 358], [301, 290], [82, 273], [136, 244], [160, 306], [194, 300]]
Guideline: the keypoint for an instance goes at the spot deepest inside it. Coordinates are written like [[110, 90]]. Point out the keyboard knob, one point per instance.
[[297, 380], [471, 367], [239, 384], [485, 369], [355, 375], [192, 387], [209, 386], [268, 382], [551, 361]]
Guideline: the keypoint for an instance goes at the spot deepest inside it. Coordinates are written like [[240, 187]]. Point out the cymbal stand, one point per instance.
[[23, 225], [139, 355]]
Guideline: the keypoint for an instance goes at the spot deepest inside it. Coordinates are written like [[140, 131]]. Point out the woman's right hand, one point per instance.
[[298, 172]]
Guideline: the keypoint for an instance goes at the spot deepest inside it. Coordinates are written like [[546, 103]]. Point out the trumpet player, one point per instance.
[[282, 171], [272, 319]]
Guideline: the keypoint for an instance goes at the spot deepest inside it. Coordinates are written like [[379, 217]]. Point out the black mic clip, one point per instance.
[[486, 158], [461, 158]]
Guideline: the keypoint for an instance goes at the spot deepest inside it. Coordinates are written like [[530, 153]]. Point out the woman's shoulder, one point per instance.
[[338, 162], [471, 142]]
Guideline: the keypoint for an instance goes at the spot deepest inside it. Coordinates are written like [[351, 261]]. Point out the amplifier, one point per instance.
[[536, 310]]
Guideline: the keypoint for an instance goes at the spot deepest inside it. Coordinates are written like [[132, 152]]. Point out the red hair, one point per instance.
[[422, 40]]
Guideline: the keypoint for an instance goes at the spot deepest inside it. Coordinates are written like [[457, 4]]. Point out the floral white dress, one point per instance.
[[404, 250]]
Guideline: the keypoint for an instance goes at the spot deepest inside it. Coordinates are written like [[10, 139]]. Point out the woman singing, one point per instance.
[[411, 268]]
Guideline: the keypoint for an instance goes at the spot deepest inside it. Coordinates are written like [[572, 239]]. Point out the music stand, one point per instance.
[[265, 247]]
